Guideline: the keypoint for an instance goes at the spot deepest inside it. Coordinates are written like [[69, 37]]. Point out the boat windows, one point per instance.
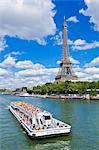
[[41, 121], [16, 108], [57, 123], [37, 121], [30, 120], [47, 117], [12, 107]]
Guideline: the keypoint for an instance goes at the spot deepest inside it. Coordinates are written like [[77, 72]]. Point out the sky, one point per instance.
[[31, 40]]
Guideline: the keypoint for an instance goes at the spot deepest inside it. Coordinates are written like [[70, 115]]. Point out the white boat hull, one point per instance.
[[44, 132]]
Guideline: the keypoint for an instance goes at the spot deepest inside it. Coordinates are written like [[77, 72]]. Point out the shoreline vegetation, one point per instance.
[[61, 90]]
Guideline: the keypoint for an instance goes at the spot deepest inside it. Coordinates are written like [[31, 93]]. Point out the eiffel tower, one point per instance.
[[65, 72]]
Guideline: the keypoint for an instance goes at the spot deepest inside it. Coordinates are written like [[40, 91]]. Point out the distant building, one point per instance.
[[65, 72]]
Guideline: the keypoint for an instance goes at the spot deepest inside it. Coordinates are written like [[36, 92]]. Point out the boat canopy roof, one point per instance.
[[29, 108]]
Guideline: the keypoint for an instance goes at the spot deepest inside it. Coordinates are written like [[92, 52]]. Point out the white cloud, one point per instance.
[[92, 12], [3, 72], [24, 64], [86, 46], [70, 42], [92, 70], [87, 74], [16, 82], [29, 77], [81, 11], [57, 39], [73, 19], [81, 75], [94, 62], [26, 73], [30, 20], [81, 44], [13, 53], [58, 62], [16, 53], [74, 61], [37, 72], [8, 62], [3, 44]]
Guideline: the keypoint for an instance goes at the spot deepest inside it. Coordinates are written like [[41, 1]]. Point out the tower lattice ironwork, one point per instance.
[[65, 71]]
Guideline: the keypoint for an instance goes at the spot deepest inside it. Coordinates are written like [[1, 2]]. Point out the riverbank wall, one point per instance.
[[73, 97]]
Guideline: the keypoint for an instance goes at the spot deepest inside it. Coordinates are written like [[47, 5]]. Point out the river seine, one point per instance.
[[83, 116]]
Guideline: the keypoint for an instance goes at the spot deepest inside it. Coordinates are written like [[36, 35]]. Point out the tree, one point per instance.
[[82, 88]]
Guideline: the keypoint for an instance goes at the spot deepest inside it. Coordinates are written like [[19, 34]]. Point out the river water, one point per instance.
[[83, 116]]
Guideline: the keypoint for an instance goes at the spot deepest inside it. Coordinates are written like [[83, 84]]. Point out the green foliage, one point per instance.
[[93, 92], [67, 87], [5, 90], [2, 90]]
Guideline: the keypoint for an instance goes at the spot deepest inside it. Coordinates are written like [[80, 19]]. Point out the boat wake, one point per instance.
[[59, 145]]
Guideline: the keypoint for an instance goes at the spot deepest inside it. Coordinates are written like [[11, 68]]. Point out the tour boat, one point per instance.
[[38, 123]]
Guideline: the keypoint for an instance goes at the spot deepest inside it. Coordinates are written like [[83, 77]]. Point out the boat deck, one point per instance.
[[27, 107]]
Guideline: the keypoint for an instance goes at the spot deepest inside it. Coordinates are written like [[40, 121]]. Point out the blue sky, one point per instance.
[[31, 40]]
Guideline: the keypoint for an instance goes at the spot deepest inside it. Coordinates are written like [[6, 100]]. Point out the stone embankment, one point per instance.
[[75, 97]]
